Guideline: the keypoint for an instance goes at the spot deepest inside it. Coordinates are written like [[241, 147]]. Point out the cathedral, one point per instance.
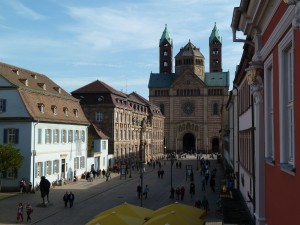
[[190, 98]]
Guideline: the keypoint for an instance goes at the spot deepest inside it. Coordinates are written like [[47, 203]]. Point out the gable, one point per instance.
[[188, 80], [5, 83]]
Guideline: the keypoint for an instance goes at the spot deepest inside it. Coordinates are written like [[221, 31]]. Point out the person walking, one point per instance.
[[146, 191], [192, 189], [139, 191], [29, 210], [103, 173], [203, 183], [182, 192], [177, 193], [205, 204], [71, 199], [66, 198], [20, 212]]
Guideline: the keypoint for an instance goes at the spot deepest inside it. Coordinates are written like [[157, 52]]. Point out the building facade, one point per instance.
[[134, 126], [45, 123], [272, 28], [190, 99]]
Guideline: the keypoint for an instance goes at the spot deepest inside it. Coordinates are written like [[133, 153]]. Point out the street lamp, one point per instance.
[[165, 151], [172, 162], [130, 163]]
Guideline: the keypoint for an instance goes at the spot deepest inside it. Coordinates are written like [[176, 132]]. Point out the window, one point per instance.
[[165, 63], [64, 136], [11, 173], [48, 167], [40, 133], [104, 145], [76, 163], [165, 53], [70, 136], [2, 105], [55, 166], [54, 109], [56, 136], [39, 169], [75, 111], [82, 162], [286, 97], [99, 116], [41, 107], [83, 136], [65, 109], [76, 135], [162, 108], [11, 136], [48, 136], [269, 121], [215, 109]]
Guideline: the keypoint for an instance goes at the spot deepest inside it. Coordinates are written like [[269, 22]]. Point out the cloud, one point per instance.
[[24, 11]]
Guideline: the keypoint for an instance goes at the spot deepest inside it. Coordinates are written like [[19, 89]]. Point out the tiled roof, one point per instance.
[[161, 80], [189, 50], [97, 131], [37, 89], [98, 87], [217, 79]]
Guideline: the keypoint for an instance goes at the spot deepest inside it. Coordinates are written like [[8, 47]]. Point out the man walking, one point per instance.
[[71, 199]]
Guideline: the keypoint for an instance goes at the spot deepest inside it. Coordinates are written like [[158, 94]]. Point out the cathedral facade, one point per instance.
[[190, 98]]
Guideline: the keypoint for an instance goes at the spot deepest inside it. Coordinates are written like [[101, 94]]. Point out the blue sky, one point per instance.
[[75, 42]]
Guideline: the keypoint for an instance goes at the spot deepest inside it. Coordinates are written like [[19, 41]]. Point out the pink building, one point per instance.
[[272, 28]]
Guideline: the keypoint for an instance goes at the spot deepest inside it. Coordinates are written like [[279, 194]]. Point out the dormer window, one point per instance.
[[58, 89], [41, 107], [42, 85], [65, 109], [54, 109], [16, 71], [75, 112], [34, 76], [24, 81]]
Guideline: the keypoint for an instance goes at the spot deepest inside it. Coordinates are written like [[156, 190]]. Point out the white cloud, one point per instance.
[[24, 11]]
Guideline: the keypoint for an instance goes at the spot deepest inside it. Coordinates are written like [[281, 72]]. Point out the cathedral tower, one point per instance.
[[215, 51], [165, 52]]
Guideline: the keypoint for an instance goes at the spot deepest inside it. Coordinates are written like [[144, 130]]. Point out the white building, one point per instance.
[[45, 122]]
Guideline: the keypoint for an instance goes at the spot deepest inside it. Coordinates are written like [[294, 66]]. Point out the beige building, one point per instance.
[[190, 99], [134, 126]]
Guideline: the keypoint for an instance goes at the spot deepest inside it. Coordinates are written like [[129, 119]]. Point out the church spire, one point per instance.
[[165, 52], [215, 34], [166, 36], [215, 50]]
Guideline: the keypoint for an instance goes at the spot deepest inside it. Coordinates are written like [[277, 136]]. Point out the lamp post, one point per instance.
[[141, 176], [130, 163], [165, 152], [172, 161], [33, 164]]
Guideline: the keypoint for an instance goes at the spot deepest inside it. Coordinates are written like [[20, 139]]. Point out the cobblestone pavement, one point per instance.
[[91, 198]]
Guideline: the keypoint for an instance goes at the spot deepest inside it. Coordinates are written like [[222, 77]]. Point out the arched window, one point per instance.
[[165, 64], [215, 109], [162, 108], [165, 53]]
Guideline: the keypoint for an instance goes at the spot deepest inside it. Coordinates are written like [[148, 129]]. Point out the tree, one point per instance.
[[10, 157]]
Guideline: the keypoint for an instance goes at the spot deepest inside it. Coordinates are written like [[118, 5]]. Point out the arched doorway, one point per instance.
[[189, 143], [215, 145]]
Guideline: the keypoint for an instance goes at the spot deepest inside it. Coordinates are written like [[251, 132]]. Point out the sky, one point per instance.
[[75, 42]]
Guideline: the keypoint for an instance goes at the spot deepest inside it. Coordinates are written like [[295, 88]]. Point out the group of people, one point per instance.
[[28, 209], [141, 193], [69, 198], [24, 188]]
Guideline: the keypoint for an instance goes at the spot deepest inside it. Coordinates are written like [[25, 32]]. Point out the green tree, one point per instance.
[[10, 157]]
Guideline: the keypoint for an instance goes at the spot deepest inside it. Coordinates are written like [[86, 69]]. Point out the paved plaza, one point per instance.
[[91, 198]]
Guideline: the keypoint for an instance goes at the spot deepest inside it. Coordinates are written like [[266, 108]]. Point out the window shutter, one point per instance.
[[35, 169], [4, 105], [5, 136], [51, 167], [45, 168], [50, 136], [17, 137], [39, 136]]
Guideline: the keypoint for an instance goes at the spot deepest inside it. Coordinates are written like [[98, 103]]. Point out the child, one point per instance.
[[29, 210], [20, 212]]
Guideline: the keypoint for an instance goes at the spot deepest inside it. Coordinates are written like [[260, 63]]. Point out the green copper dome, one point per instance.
[[215, 34], [166, 36]]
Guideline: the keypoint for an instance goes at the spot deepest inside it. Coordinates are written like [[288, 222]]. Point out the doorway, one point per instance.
[[215, 145], [188, 143]]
